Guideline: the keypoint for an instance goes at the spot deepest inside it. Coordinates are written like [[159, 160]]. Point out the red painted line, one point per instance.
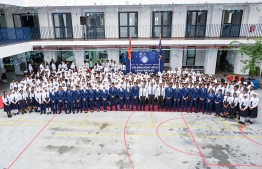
[[31, 142], [200, 152], [126, 143], [168, 144], [241, 131]]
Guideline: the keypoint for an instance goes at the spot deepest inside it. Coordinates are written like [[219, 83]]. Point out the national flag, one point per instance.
[[130, 49]]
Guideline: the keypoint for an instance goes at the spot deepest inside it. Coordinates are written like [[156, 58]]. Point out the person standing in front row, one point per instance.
[[60, 95], [253, 107], [121, 94], [160, 96], [194, 93], [177, 96], [104, 96], [70, 99], [202, 96], [185, 96], [7, 104], [226, 105], [128, 95], [135, 95], [97, 98], [112, 95], [91, 96], [169, 95], [142, 97], [209, 101], [219, 97], [151, 96], [78, 99], [243, 107], [53, 100], [84, 100]]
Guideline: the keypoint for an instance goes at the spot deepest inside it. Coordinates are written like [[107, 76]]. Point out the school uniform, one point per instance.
[[70, 99], [142, 96], [7, 105], [40, 99], [209, 97], [218, 98], [104, 96], [47, 103], [121, 96], [151, 90], [194, 94], [226, 104], [112, 95], [233, 106], [160, 95], [202, 97], [97, 99], [91, 96], [28, 99], [253, 104], [177, 97], [128, 95], [243, 104], [135, 93], [84, 99], [60, 96], [22, 101], [53, 100], [185, 98], [14, 103], [78, 100]]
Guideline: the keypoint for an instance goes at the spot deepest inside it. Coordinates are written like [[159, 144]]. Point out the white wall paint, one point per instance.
[[113, 54], [16, 49], [238, 64], [210, 61]]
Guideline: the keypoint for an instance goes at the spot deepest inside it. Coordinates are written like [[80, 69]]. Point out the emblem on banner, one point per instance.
[[144, 59]]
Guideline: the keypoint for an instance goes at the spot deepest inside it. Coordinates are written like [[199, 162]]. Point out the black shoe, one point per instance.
[[77, 112], [250, 122], [148, 109], [190, 111], [41, 113]]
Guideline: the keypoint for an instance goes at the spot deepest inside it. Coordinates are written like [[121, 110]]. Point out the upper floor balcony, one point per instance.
[[116, 32]]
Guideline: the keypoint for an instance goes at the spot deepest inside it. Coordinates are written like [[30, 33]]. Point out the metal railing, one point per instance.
[[17, 35]]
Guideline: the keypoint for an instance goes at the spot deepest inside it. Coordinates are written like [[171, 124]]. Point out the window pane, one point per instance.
[[167, 18], [191, 18], [91, 21], [123, 19], [100, 32], [132, 19], [201, 17], [59, 32], [123, 32], [156, 31], [17, 21], [157, 19], [99, 19], [191, 53], [190, 61], [68, 32], [237, 17], [166, 32], [133, 32], [227, 17]]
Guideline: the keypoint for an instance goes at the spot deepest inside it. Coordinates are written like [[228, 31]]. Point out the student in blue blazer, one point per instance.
[[112, 95], [97, 98], [177, 96], [219, 97], [104, 96], [91, 94], [60, 95], [53, 99], [128, 95], [202, 97], [78, 99], [70, 99], [209, 101], [194, 94], [121, 96], [84, 94]]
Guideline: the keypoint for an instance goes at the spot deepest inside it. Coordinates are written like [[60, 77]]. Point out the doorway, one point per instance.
[[29, 21], [223, 64]]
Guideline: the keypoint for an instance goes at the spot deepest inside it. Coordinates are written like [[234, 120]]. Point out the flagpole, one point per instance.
[[159, 59], [130, 57]]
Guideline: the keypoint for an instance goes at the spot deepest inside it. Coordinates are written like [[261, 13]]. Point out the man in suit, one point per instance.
[[70, 99], [194, 93], [169, 96], [60, 95], [151, 90], [78, 99], [160, 96], [112, 95], [142, 97], [177, 97], [135, 95]]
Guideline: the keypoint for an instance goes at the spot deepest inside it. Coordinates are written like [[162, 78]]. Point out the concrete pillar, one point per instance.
[[176, 56], [210, 61], [111, 26], [79, 58], [239, 65], [113, 54]]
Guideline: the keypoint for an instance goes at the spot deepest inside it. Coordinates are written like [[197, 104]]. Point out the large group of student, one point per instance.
[[107, 86]]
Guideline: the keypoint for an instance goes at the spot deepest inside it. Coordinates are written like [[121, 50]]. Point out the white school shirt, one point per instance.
[[226, 98], [253, 102], [160, 92], [142, 92], [244, 102], [234, 100], [6, 100], [151, 90]]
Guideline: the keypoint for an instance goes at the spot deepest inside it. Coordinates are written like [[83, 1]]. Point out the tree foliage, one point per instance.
[[254, 51]]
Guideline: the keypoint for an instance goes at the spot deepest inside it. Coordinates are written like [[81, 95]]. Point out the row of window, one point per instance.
[[161, 24]]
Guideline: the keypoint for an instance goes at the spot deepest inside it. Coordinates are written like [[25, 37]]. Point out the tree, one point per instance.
[[254, 51]]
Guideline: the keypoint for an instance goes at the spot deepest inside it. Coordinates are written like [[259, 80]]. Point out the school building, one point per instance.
[[194, 35]]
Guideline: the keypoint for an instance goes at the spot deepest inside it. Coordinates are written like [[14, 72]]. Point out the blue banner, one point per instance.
[[142, 62]]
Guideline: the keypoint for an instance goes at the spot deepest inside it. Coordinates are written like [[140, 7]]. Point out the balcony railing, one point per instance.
[[211, 31]]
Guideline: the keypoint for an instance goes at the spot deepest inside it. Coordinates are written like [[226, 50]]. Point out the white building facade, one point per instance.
[[193, 35]]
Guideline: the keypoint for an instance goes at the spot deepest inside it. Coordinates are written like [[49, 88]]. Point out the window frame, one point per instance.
[[63, 27], [187, 50], [95, 27], [161, 26], [128, 26]]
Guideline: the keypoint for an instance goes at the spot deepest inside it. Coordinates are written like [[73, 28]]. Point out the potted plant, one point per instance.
[[254, 51]]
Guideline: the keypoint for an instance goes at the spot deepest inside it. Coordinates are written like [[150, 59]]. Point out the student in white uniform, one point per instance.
[[14, 101], [253, 104], [243, 107], [7, 104]]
